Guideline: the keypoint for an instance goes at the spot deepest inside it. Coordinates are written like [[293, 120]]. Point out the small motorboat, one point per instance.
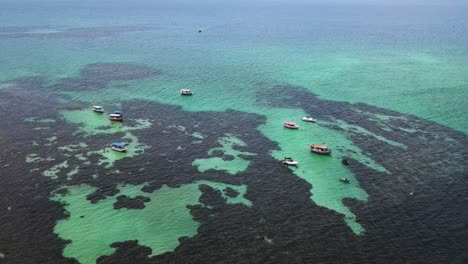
[[119, 146], [319, 149], [289, 162], [291, 125], [344, 180], [345, 162], [186, 92], [98, 109], [308, 118], [116, 116]]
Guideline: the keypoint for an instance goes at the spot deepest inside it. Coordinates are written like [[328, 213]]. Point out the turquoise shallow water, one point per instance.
[[411, 60], [407, 66]]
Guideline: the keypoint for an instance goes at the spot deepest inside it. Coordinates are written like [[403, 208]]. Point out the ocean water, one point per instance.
[[201, 179]]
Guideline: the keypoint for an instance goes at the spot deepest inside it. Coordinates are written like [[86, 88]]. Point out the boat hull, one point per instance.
[[185, 92], [119, 149], [290, 163], [321, 152], [309, 119]]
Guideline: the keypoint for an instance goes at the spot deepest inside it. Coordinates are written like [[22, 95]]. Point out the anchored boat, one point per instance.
[[119, 146], [98, 109], [116, 116], [291, 125], [320, 149], [308, 118], [289, 162], [344, 180], [186, 92]]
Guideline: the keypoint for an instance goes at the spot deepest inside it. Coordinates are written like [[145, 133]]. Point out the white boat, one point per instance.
[[98, 109], [320, 149], [289, 162], [309, 119], [116, 116], [119, 146], [290, 125], [186, 92]]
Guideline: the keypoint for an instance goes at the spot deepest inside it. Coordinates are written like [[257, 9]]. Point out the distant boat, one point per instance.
[[291, 125], [119, 146], [344, 180], [289, 162], [98, 109], [319, 149], [186, 92], [308, 119], [116, 116]]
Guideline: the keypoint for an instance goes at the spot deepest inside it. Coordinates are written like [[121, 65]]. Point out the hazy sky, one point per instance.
[[367, 2]]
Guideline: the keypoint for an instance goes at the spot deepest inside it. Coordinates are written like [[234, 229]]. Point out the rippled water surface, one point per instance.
[[201, 180]]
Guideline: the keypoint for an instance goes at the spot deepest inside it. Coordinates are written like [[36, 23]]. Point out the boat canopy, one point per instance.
[[118, 144], [318, 146], [117, 112]]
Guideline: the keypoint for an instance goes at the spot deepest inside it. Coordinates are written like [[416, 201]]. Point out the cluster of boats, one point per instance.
[[319, 149], [292, 125], [116, 115], [315, 148]]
